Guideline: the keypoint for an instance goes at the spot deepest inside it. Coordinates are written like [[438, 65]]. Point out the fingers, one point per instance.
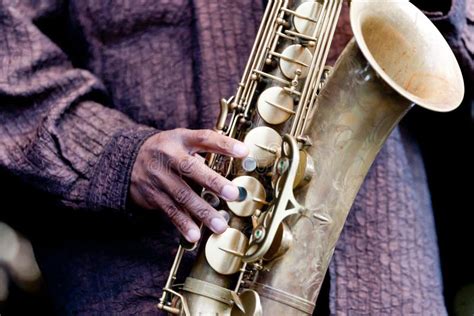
[[193, 168], [178, 217], [210, 141], [153, 177], [155, 199], [186, 198]]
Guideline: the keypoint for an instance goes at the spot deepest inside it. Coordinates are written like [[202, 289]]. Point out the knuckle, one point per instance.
[[214, 183], [154, 165], [171, 210], [224, 145], [203, 135], [147, 193], [203, 214], [180, 133], [159, 154], [179, 219], [182, 222], [160, 163], [180, 130], [156, 181], [183, 196], [172, 134], [187, 165]]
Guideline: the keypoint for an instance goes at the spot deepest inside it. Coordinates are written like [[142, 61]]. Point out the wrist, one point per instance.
[[109, 187]]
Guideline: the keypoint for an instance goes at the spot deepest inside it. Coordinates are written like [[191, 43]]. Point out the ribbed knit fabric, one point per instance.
[[83, 83]]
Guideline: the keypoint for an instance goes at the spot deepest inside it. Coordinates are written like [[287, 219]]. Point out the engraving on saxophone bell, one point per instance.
[[275, 106], [224, 252], [306, 17], [255, 199], [263, 143], [294, 58]]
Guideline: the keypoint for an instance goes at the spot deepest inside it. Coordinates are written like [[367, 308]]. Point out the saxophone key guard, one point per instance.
[[285, 205]]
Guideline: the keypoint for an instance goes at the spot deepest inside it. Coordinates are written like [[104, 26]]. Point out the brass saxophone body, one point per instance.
[[313, 133]]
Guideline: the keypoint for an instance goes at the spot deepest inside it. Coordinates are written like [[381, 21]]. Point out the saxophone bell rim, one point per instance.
[[441, 85]]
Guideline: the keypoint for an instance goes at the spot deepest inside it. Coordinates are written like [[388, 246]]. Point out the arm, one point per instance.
[[53, 132]]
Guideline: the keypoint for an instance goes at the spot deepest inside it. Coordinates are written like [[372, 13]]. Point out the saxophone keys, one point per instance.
[[264, 144], [254, 199], [211, 198], [224, 111], [281, 243], [275, 105], [249, 305], [249, 164], [295, 58], [224, 252], [306, 16], [311, 44], [306, 170], [282, 21]]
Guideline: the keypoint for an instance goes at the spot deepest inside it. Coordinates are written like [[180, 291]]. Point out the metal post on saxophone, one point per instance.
[[313, 133]]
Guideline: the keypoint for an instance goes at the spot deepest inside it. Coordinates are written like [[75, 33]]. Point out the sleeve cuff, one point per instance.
[[109, 186]]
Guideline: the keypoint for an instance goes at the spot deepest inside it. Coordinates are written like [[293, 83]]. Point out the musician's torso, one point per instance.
[[167, 63]]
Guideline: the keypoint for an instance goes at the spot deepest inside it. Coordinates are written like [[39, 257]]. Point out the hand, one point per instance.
[[162, 162]]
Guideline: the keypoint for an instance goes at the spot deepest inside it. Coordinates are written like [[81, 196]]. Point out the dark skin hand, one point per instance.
[[157, 177]]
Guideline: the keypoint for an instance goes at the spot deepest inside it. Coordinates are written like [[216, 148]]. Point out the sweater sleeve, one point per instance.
[[54, 132]]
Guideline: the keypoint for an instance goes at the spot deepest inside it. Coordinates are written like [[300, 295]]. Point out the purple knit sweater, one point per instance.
[[73, 113]]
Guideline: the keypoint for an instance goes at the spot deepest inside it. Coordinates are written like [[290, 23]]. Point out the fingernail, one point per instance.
[[218, 225], [240, 150], [230, 192], [193, 235]]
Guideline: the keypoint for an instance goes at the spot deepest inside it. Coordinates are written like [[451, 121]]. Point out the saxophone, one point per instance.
[[313, 132]]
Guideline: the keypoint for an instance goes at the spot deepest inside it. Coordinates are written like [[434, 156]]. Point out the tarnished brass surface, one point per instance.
[[275, 105], [251, 301], [285, 205], [354, 117], [356, 112], [295, 59], [224, 252], [305, 21], [281, 243], [305, 171], [263, 143], [312, 136]]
